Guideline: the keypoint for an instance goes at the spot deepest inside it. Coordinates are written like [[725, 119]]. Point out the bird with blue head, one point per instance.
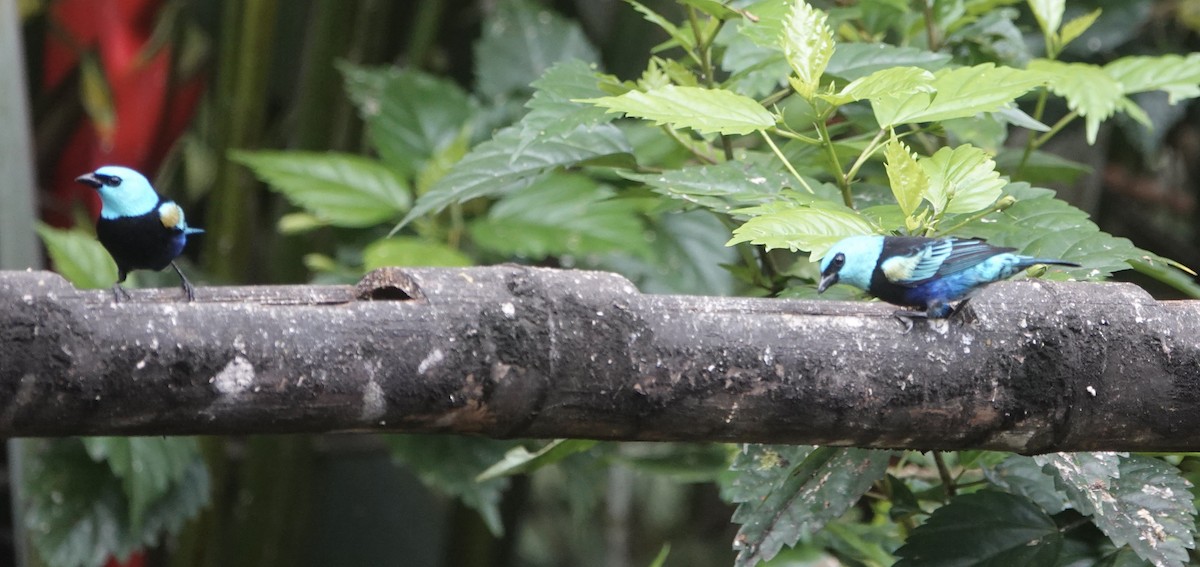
[[140, 229], [928, 273]]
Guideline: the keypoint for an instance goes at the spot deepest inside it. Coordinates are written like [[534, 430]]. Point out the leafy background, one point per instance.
[[694, 146]]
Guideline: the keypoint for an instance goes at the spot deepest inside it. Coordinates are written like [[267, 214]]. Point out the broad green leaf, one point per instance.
[[961, 180], [1024, 476], [561, 215], [1089, 90], [1145, 503], [521, 41], [687, 251], [492, 168], [701, 109], [680, 462], [960, 93], [1049, 14], [1040, 167], [782, 500], [148, 467], [853, 61], [77, 512], [887, 82], [800, 227], [684, 40], [79, 257], [341, 189], [983, 528], [554, 109], [713, 8], [722, 187], [765, 26], [410, 116], [1178, 75], [519, 460], [807, 44], [908, 179], [451, 464], [1077, 26], [406, 251]]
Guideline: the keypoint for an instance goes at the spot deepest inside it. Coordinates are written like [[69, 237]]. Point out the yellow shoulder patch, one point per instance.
[[170, 214], [899, 268]]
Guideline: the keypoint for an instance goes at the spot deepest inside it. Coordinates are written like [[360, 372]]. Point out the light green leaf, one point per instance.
[[800, 227], [1178, 75], [519, 460], [1023, 476], [298, 223], [782, 500], [960, 93], [766, 24], [713, 8], [856, 60], [79, 257], [984, 528], [892, 82], [1089, 90], [683, 39], [1049, 14], [406, 251], [1077, 26], [686, 254], [722, 187], [341, 189], [807, 44], [148, 467], [554, 109], [961, 180], [520, 42], [701, 109], [908, 179]]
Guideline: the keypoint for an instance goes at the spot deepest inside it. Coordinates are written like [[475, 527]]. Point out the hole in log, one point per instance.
[[388, 284]]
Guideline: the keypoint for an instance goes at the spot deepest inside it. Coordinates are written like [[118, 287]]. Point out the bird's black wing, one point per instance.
[[910, 261]]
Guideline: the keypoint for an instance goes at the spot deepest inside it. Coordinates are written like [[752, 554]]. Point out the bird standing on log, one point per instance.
[[929, 273], [140, 229]]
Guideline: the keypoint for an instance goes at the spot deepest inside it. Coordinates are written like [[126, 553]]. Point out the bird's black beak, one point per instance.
[[90, 180], [826, 281]]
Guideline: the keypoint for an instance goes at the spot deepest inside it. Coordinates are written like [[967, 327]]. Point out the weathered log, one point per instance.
[[510, 351]]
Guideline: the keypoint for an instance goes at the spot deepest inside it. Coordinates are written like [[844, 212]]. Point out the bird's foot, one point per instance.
[[120, 294], [906, 317], [189, 290], [963, 313]]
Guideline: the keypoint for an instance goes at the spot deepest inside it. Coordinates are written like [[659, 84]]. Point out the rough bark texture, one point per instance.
[[521, 352]]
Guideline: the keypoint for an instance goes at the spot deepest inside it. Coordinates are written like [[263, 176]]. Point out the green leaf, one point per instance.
[[1089, 90], [148, 467], [554, 111], [961, 180], [790, 492], [520, 42], [1024, 476], [519, 460], [713, 8], [341, 189], [701, 109], [721, 188], [983, 528], [807, 44], [78, 512], [684, 40], [1178, 75], [686, 254], [79, 257], [961, 92], [410, 116], [765, 26], [884, 83], [907, 178], [451, 464], [1077, 26], [407, 251], [853, 61], [561, 215], [1145, 503], [1040, 167], [1049, 14], [492, 168], [800, 227]]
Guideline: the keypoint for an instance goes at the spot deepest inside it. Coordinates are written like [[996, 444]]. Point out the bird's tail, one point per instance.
[[190, 230], [1027, 261]]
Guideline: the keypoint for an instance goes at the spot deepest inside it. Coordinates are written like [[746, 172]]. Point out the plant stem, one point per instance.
[[1038, 111], [688, 146], [842, 181], [1058, 126], [786, 163], [704, 54], [944, 473], [866, 154], [794, 136]]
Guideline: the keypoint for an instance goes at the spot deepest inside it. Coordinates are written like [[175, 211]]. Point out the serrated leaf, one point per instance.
[[1178, 75], [683, 39], [410, 116], [520, 42], [853, 61], [492, 168], [701, 109], [79, 257], [722, 187], [961, 180], [1049, 14], [765, 22], [786, 500], [147, 466], [407, 251], [1089, 90], [908, 179], [686, 253], [1077, 26], [1024, 476], [341, 189], [520, 460], [554, 109], [807, 45], [451, 464], [1145, 503], [800, 227], [561, 215], [959, 93], [983, 528]]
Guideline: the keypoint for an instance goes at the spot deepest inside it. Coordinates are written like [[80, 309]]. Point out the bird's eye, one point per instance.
[[112, 181], [839, 260]]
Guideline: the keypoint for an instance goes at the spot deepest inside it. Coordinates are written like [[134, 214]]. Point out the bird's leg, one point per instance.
[[188, 289], [962, 312], [906, 317], [120, 292]]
